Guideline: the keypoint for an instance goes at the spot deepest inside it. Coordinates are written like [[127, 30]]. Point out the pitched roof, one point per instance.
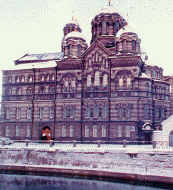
[[40, 57]]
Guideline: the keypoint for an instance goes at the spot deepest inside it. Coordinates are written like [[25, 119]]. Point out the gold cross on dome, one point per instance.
[[109, 2]]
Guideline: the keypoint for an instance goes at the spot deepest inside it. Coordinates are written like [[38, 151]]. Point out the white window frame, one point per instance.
[[41, 112], [86, 130], [64, 131], [17, 131], [95, 130], [18, 113], [120, 131], [7, 130], [127, 131], [104, 131], [29, 113], [28, 131], [71, 131]]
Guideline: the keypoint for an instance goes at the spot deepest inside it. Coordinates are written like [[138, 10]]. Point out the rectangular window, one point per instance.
[[28, 113], [7, 129], [41, 112], [104, 131], [63, 131], [17, 131], [51, 112], [127, 132], [120, 131], [95, 131], [18, 114], [28, 131], [71, 131], [86, 131], [8, 113]]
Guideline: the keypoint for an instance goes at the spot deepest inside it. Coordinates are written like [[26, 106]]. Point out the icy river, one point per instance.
[[28, 182]]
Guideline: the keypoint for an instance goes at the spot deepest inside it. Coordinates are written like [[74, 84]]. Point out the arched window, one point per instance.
[[88, 80], [23, 79], [88, 112], [52, 90], [128, 111], [156, 112], [79, 48], [53, 77], [19, 92], [7, 129], [154, 73], [133, 45], [41, 112], [104, 131], [17, 79], [7, 113], [86, 131], [104, 27], [105, 111], [70, 50], [71, 131], [29, 113], [65, 112], [28, 131], [18, 114], [120, 131], [96, 111], [72, 112], [127, 131], [97, 79], [95, 131], [51, 112], [121, 111], [97, 57], [128, 82], [30, 79], [64, 131], [17, 131], [73, 85], [120, 83], [42, 78], [105, 80]]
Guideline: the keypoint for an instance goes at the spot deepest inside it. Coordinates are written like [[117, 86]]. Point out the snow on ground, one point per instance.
[[136, 159]]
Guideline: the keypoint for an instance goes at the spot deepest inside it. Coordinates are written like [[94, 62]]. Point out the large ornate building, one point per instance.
[[107, 91]]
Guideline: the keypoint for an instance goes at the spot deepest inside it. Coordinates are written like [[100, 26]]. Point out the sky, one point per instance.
[[36, 26]]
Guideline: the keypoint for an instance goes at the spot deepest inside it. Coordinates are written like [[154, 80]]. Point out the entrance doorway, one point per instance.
[[171, 139], [46, 133]]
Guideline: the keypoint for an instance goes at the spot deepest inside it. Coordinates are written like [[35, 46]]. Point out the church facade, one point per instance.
[[106, 91]]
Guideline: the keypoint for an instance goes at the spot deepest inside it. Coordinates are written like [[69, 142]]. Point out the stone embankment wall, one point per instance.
[[143, 165]]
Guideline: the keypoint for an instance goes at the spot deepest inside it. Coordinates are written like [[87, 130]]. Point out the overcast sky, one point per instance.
[[36, 26]]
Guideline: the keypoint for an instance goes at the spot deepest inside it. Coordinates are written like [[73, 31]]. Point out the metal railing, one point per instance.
[[106, 145]]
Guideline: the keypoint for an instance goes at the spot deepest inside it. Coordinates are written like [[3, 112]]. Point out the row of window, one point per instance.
[[88, 133], [96, 58], [29, 90], [97, 80], [23, 79], [29, 113]]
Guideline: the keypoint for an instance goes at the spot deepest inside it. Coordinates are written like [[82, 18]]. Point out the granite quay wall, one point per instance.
[[133, 164]]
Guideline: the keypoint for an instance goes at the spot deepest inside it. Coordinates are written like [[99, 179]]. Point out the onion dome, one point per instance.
[[74, 45], [127, 41], [106, 23], [71, 26]]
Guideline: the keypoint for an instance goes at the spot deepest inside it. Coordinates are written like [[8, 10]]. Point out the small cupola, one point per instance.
[[74, 44], [127, 41]]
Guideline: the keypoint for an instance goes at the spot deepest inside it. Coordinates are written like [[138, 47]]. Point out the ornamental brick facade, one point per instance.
[[108, 91]]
